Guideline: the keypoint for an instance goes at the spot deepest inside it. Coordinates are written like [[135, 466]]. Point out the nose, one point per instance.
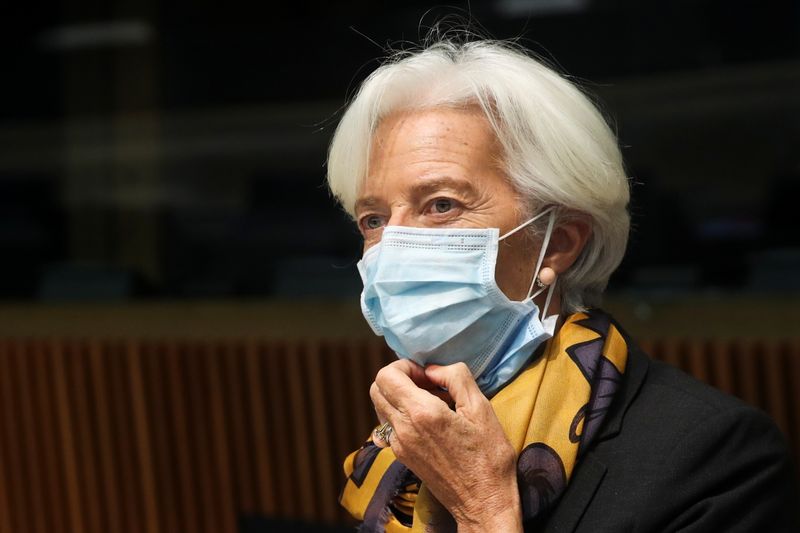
[[403, 215], [400, 215]]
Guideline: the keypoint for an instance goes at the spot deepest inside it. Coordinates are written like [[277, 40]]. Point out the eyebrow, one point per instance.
[[366, 203], [424, 187], [421, 188]]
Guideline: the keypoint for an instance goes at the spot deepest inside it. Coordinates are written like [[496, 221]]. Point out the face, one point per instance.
[[440, 168]]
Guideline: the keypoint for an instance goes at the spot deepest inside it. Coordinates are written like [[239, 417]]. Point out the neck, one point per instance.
[[555, 305]]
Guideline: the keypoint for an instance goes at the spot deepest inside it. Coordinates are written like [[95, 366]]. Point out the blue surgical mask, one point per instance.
[[432, 294]]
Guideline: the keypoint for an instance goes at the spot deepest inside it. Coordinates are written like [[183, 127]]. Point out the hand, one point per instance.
[[462, 455]]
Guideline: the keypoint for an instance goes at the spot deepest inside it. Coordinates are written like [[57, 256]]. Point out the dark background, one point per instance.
[[181, 345], [154, 150]]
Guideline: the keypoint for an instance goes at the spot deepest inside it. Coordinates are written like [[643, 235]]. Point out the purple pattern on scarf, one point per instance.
[[362, 462], [606, 382], [541, 478], [377, 513], [601, 374]]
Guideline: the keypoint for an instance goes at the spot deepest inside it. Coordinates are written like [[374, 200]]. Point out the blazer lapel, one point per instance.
[[635, 372]]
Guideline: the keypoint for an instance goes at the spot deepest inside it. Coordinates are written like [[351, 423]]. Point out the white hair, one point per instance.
[[558, 149]]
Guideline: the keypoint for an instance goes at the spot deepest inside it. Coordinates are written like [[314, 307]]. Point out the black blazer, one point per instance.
[[677, 455]]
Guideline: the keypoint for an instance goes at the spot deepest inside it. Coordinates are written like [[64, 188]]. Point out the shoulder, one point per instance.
[[682, 426], [688, 457], [674, 403]]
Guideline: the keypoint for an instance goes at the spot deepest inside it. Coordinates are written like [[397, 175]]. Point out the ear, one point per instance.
[[567, 243]]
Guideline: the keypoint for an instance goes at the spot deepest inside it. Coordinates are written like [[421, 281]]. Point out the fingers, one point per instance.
[[458, 381], [443, 395], [415, 372], [404, 384], [404, 390], [385, 411], [403, 394], [387, 414]]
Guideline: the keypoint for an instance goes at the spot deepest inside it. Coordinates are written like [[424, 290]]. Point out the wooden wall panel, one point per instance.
[[132, 436], [24, 363], [69, 461], [13, 502]]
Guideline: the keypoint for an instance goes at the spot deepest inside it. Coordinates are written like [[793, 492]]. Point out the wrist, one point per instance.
[[508, 522], [501, 512]]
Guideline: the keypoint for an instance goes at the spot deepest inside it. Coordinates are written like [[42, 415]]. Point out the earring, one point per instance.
[[546, 277]]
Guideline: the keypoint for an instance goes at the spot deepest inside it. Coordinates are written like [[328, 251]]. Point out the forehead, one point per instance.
[[414, 144], [442, 127]]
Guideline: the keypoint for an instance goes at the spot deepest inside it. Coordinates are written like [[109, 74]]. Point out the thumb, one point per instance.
[[458, 381]]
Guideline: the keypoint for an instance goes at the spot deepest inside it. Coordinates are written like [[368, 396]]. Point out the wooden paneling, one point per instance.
[[147, 436]]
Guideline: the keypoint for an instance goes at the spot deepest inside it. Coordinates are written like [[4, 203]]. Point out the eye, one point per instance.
[[443, 205], [371, 222]]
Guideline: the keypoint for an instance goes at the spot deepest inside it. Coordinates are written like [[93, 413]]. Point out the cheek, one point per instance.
[[371, 240], [512, 272]]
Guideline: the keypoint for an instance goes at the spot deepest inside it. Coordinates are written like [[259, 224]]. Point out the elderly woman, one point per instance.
[[492, 200]]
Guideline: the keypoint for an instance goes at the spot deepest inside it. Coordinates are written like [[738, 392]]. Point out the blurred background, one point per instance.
[[166, 237], [158, 150]]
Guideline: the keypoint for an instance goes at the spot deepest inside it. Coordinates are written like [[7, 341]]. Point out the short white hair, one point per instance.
[[558, 150]]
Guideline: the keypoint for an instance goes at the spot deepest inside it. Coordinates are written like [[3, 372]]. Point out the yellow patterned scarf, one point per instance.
[[550, 413]]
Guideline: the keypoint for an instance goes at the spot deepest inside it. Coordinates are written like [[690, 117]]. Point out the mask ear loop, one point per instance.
[[545, 244], [547, 300], [526, 223]]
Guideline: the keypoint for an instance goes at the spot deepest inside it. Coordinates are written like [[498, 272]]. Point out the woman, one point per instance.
[[492, 199]]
